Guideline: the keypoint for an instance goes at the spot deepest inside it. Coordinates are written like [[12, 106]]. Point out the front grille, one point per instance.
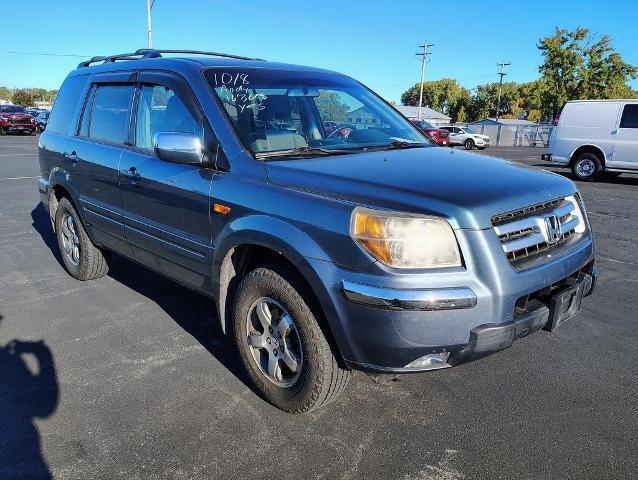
[[538, 229], [19, 121]]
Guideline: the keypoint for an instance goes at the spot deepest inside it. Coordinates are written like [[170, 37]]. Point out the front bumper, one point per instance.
[[384, 320], [15, 127]]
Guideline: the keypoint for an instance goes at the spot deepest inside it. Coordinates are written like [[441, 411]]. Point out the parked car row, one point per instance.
[[16, 119], [449, 135]]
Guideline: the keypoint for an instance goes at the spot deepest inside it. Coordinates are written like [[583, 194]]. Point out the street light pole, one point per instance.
[[423, 56], [501, 73], [148, 23]]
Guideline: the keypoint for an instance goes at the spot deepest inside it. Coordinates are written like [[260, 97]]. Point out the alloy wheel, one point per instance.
[[70, 239], [274, 342], [586, 167]]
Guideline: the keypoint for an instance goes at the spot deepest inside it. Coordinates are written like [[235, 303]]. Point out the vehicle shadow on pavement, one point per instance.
[[28, 390], [193, 312], [625, 179], [42, 225]]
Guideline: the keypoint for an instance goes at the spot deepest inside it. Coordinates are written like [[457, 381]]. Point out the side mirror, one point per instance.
[[178, 147]]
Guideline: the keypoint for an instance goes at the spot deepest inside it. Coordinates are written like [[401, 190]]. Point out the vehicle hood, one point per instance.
[[466, 188], [16, 115]]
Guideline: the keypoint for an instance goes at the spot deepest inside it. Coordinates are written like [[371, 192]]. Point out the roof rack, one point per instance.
[[152, 53]]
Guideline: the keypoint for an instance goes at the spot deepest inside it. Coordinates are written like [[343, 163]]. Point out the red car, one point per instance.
[[14, 118], [437, 135]]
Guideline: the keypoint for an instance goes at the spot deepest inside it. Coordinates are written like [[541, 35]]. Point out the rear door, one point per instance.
[[93, 156], [166, 205], [626, 139]]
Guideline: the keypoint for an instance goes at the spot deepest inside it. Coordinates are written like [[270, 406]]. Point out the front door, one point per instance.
[[166, 205], [626, 139]]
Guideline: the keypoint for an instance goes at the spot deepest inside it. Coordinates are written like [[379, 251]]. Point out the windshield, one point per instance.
[[423, 124], [468, 130], [276, 110], [12, 109]]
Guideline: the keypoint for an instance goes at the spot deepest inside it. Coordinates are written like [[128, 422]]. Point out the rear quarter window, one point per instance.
[[66, 103]]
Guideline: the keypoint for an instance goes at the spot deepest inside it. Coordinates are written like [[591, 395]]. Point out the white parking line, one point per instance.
[[18, 178]]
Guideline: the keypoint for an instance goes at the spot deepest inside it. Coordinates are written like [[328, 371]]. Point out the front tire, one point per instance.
[[281, 343], [81, 258], [586, 167], [468, 144]]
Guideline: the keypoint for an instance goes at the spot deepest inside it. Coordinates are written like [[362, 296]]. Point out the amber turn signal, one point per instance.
[[219, 208]]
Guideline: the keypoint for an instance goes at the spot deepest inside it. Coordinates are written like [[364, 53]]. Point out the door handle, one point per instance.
[[614, 132], [72, 157]]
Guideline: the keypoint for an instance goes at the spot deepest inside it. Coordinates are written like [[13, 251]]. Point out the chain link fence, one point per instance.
[[515, 135]]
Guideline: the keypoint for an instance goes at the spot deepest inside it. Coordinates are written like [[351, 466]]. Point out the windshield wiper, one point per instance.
[[398, 144], [395, 145], [302, 151]]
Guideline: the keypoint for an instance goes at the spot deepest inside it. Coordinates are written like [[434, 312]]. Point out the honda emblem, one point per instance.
[[552, 229]]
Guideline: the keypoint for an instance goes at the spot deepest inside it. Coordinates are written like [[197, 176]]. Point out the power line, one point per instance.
[[501, 73], [45, 54], [424, 56]]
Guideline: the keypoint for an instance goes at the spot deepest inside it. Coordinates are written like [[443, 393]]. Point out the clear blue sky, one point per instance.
[[373, 41]]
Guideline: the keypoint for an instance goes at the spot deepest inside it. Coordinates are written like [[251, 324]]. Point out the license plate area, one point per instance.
[[565, 304]]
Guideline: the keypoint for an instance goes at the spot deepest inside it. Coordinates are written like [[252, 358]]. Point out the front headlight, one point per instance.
[[404, 240]]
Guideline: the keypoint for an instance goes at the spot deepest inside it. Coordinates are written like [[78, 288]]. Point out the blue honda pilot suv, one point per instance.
[[331, 235]]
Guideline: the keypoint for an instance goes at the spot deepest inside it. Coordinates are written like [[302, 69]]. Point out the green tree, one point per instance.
[[485, 99], [331, 107], [23, 97], [5, 94], [580, 65], [445, 95]]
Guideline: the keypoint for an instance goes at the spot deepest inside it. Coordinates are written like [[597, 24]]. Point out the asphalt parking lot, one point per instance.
[[136, 380]]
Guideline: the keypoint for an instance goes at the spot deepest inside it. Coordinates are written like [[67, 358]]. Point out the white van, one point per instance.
[[596, 137]]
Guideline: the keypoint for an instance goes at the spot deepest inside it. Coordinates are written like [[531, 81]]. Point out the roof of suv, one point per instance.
[[175, 62]]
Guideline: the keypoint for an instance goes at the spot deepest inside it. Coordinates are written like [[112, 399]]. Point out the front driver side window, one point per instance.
[[160, 110]]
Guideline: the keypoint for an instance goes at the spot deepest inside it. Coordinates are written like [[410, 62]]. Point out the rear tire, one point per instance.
[[3, 132], [468, 144], [318, 378], [586, 166], [81, 258]]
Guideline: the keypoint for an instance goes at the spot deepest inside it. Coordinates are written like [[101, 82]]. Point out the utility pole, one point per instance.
[[149, 6], [424, 56], [501, 73]]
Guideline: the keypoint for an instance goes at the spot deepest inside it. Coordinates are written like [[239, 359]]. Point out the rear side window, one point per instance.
[[160, 110], [61, 120], [109, 115], [629, 117]]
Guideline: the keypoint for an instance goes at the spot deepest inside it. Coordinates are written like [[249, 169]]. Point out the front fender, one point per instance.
[[266, 231], [292, 243]]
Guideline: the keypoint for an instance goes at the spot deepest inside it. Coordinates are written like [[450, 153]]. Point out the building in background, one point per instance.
[[428, 114]]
